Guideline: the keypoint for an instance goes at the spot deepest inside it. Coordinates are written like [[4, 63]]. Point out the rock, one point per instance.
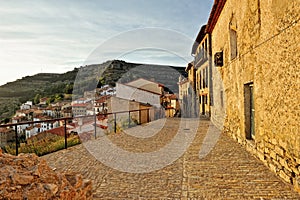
[[53, 188], [22, 179], [29, 177]]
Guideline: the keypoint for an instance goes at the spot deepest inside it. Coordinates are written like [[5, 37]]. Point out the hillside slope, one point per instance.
[[85, 78]]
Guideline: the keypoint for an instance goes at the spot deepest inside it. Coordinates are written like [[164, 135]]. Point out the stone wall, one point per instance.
[[28, 177], [268, 56]]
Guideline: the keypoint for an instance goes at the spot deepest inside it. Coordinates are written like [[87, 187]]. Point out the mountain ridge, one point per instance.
[[12, 94]]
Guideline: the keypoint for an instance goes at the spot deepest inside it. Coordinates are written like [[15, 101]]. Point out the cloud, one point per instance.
[[57, 34]]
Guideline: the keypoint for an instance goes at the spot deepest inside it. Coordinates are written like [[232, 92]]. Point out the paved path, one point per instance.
[[227, 172]]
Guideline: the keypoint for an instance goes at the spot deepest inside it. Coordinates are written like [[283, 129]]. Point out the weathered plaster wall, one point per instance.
[[268, 43]]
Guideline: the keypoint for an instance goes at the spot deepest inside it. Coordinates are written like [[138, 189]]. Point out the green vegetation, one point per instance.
[[43, 144], [122, 124], [60, 86], [54, 86]]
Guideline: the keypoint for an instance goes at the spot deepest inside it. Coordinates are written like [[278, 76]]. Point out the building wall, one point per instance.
[[79, 110], [116, 105], [268, 56], [131, 93], [203, 73]]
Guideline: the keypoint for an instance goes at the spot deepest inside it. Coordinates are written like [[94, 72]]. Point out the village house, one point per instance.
[[141, 112], [141, 90], [32, 130], [46, 125], [142, 96], [201, 51], [254, 47], [26, 106], [100, 104], [79, 109], [18, 119], [43, 102], [171, 105], [66, 110], [187, 93], [183, 85]]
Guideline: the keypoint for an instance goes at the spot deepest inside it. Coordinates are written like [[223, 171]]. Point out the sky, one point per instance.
[[55, 36]]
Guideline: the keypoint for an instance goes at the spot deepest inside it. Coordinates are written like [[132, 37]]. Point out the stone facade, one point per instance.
[[259, 91]]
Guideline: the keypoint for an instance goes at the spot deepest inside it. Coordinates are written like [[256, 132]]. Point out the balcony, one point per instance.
[[200, 58]]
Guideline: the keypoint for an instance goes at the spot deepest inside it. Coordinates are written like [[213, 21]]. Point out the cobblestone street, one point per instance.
[[227, 172]]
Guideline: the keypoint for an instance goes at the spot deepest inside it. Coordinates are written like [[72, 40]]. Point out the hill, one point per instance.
[[85, 78], [120, 71]]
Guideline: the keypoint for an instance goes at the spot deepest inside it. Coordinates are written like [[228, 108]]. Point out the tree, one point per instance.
[[37, 98], [69, 89], [101, 82], [58, 97]]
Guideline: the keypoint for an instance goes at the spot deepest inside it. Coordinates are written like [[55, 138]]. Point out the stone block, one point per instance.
[[261, 156], [296, 182], [284, 176], [273, 168], [279, 150], [270, 146], [266, 150], [20, 179], [273, 155], [295, 170], [283, 162], [282, 143], [274, 141]]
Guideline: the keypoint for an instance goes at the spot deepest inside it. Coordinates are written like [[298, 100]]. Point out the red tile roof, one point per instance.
[[57, 131]]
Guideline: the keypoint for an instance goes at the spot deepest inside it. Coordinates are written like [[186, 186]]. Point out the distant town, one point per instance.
[[140, 94]]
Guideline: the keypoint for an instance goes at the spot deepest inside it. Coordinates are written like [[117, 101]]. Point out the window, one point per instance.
[[200, 79], [249, 111], [222, 98], [203, 78], [206, 77], [205, 99], [233, 43]]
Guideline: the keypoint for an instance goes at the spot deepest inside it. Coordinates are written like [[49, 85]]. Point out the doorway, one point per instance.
[[249, 111]]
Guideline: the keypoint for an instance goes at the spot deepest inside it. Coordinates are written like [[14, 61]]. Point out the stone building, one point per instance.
[[141, 90], [203, 65], [255, 49], [187, 93], [183, 85]]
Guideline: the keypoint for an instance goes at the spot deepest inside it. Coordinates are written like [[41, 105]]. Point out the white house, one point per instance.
[[26, 106], [49, 125]]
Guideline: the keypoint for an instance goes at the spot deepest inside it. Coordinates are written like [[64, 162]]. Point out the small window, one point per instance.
[[233, 44], [249, 111], [222, 98], [203, 77], [206, 77]]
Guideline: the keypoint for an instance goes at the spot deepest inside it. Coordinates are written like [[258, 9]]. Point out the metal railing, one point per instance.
[[200, 58], [156, 115], [15, 125]]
